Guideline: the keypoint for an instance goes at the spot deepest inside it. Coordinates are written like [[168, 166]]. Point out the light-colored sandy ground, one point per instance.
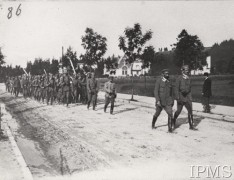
[[87, 144]]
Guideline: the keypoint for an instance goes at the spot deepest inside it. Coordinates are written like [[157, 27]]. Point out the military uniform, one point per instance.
[[110, 95], [206, 93], [164, 100], [50, 87], [76, 89], [66, 89], [92, 90], [16, 86], [184, 98]]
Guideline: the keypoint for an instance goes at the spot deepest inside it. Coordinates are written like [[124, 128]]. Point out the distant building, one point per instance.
[[124, 69], [206, 68]]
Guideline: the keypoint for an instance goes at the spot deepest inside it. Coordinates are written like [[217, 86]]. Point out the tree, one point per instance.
[[54, 66], [189, 50], [111, 62], [1, 58], [222, 56], [148, 56], [95, 47], [69, 55], [132, 43]]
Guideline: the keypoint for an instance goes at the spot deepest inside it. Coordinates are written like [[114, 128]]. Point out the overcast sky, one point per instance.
[[44, 27]]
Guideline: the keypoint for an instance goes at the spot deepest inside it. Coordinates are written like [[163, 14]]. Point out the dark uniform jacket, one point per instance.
[[206, 90], [66, 83], [92, 85], [163, 92], [183, 89]]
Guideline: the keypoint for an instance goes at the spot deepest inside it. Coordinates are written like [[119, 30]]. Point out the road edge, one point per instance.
[[24, 168]]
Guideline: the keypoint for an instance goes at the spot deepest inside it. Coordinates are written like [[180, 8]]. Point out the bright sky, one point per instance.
[[44, 27]]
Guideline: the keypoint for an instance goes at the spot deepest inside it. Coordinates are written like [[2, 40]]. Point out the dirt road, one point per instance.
[[58, 141]]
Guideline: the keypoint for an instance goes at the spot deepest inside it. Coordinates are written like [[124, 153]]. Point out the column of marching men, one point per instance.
[[83, 88], [62, 89]]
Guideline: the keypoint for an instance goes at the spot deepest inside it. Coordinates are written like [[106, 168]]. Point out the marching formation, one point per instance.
[[62, 88], [83, 88]]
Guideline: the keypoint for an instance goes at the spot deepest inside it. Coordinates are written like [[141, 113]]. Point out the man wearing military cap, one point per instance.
[[183, 95], [110, 94], [164, 98]]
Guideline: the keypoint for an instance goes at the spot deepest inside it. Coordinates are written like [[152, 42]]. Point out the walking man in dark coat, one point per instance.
[[92, 90], [164, 98], [206, 93], [110, 94], [183, 95]]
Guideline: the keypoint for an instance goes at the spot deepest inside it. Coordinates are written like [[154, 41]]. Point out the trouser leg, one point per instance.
[[94, 99], [168, 109], [155, 117], [89, 99], [189, 108], [107, 101], [178, 111], [112, 104]]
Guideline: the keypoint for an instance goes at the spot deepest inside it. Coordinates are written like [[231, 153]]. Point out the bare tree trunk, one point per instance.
[[132, 82]]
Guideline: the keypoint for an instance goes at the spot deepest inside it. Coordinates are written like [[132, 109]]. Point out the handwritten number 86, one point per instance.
[[10, 9]]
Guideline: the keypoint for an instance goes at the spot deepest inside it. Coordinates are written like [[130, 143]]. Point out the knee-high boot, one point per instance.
[[153, 122], [111, 109], [169, 124], [174, 119], [190, 118]]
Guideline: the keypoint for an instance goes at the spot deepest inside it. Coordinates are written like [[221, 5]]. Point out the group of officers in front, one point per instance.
[[165, 95]]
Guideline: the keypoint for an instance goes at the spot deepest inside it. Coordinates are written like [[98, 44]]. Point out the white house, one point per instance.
[[124, 69], [206, 68]]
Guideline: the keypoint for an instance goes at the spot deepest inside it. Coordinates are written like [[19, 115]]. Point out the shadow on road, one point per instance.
[[125, 110], [181, 121]]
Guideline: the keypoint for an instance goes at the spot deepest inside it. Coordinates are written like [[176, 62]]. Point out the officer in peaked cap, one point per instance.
[[183, 95], [164, 98], [110, 94]]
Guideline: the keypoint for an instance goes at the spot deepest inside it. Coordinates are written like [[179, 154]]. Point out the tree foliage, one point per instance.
[[148, 56], [111, 62], [1, 58], [69, 55], [95, 47], [189, 50], [222, 56], [132, 43]]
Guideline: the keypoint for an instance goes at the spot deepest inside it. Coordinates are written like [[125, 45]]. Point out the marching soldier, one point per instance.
[[110, 94], [16, 86], [66, 88], [75, 88], [83, 95], [164, 98], [183, 95], [50, 87], [92, 90]]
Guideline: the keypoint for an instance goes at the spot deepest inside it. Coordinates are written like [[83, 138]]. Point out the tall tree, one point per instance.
[[132, 43], [111, 62], [70, 55], [148, 56], [189, 50], [95, 47], [54, 66], [222, 56]]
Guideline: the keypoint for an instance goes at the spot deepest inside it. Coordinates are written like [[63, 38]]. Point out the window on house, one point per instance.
[[124, 70]]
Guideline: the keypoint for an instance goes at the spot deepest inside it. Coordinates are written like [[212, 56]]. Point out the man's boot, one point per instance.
[[105, 108], [153, 122], [190, 118], [174, 120], [169, 124], [111, 110]]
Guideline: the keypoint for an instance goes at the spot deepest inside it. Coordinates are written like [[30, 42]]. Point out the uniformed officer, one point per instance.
[[92, 90], [110, 94], [183, 95], [164, 98], [16, 86], [206, 93]]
